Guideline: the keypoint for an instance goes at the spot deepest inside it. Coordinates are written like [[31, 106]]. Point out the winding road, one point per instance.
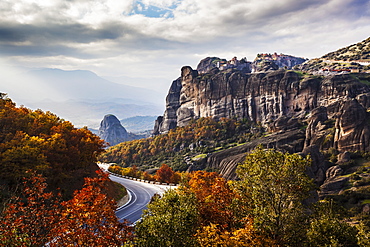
[[141, 193]]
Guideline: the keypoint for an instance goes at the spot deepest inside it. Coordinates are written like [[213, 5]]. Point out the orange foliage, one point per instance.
[[211, 235], [43, 142], [88, 219], [30, 219], [166, 175], [215, 198]]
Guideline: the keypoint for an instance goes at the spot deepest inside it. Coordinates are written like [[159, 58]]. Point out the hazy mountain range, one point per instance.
[[81, 96]]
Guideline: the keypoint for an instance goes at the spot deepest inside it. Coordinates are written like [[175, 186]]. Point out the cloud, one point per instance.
[[117, 37]]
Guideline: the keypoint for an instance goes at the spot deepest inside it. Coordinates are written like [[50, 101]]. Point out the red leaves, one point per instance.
[[164, 174], [30, 218], [88, 219]]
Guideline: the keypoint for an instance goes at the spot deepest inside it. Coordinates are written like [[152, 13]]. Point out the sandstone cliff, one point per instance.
[[304, 113]]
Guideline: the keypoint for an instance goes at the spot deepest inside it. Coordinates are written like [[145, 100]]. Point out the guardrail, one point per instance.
[[142, 180]]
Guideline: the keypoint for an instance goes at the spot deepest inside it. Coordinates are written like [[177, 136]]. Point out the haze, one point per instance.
[[145, 43]]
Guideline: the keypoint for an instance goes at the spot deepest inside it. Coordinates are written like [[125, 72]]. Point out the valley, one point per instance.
[[255, 146]]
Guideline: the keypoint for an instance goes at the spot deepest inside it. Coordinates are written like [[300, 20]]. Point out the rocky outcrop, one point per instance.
[[352, 127], [112, 131], [209, 63], [265, 61], [306, 114], [169, 119], [334, 181], [267, 97]]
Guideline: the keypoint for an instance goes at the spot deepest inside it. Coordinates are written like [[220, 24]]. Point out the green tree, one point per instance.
[[274, 185], [169, 221], [328, 229]]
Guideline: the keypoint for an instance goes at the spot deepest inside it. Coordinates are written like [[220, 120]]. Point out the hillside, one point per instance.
[[41, 142], [355, 52], [353, 58]]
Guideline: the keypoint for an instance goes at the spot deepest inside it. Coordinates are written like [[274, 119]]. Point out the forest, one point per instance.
[[51, 194], [44, 143], [271, 205], [199, 137]]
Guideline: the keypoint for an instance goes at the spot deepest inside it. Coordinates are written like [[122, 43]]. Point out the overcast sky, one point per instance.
[[155, 38]]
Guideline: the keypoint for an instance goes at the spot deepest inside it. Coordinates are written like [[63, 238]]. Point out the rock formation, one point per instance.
[[169, 120], [268, 97], [112, 131], [305, 113]]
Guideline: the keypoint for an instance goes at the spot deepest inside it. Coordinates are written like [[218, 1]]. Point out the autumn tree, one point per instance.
[[220, 223], [169, 221], [29, 219], [89, 219], [164, 174], [274, 185], [43, 142], [214, 198], [39, 218], [212, 235]]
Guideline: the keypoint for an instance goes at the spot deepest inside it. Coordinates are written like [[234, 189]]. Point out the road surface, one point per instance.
[[141, 193]]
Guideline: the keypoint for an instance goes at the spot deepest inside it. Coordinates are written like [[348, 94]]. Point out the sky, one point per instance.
[[153, 39]]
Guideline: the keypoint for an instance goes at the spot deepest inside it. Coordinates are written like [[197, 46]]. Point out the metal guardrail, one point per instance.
[[142, 180]]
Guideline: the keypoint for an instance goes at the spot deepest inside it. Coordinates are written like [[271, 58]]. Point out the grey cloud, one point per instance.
[[9, 34], [56, 39], [41, 50], [76, 33]]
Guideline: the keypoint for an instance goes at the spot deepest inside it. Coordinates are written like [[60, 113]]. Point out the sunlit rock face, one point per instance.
[[270, 97], [330, 112], [112, 131]]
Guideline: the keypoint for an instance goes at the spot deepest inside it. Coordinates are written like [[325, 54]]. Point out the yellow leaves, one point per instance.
[[212, 235], [38, 140]]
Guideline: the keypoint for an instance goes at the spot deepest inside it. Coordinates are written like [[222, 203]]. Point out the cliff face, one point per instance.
[[267, 98], [332, 109], [112, 131]]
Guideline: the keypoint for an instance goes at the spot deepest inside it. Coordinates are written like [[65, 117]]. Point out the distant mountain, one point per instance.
[[90, 113], [139, 124], [80, 96], [84, 84], [112, 131], [154, 83]]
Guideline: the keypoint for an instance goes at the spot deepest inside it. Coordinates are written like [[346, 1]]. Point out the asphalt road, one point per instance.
[[141, 193]]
